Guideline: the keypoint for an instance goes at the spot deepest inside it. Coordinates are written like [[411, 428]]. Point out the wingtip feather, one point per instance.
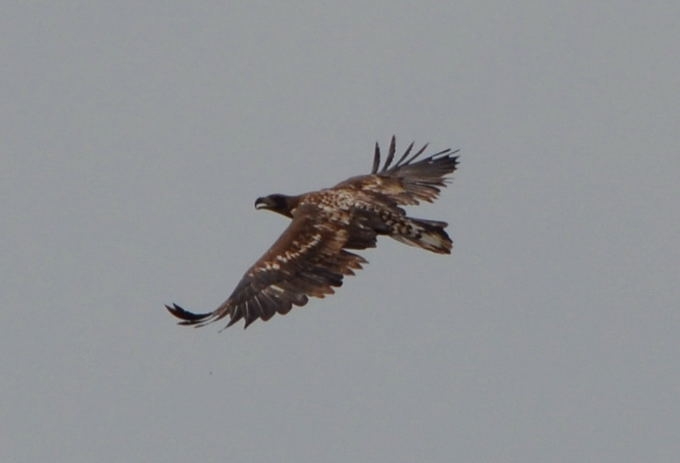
[[188, 318], [390, 155], [376, 159]]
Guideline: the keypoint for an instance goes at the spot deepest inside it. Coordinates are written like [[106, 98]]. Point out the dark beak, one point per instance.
[[261, 203]]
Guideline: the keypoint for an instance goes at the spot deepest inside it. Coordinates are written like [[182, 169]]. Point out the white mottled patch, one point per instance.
[[299, 249], [266, 267], [271, 266], [331, 201]]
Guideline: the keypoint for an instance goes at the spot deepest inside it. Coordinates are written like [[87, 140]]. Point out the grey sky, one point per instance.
[[134, 140]]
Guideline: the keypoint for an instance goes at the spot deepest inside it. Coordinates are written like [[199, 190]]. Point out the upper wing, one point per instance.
[[407, 182], [307, 260]]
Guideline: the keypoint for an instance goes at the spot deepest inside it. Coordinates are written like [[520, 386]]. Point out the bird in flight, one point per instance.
[[311, 257]]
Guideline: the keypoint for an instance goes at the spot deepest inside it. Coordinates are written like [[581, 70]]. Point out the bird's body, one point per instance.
[[311, 257]]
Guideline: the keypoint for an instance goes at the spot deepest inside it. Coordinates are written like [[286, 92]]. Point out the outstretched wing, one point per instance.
[[409, 180], [308, 259]]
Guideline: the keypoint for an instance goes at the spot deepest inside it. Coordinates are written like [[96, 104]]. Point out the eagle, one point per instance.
[[312, 255]]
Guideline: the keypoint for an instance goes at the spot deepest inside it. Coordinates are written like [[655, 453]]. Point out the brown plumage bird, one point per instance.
[[310, 258]]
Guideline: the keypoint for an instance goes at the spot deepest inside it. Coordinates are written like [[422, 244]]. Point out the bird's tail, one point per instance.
[[426, 234]]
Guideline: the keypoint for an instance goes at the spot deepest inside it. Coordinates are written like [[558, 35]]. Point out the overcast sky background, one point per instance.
[[135, 137]]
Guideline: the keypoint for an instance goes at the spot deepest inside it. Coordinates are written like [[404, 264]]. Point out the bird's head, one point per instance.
[[277, 203]]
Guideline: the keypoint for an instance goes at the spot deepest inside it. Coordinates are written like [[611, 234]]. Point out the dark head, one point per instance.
[[282, 204]]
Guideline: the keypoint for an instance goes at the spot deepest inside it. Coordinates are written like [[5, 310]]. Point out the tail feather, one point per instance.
[[426, 234]]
